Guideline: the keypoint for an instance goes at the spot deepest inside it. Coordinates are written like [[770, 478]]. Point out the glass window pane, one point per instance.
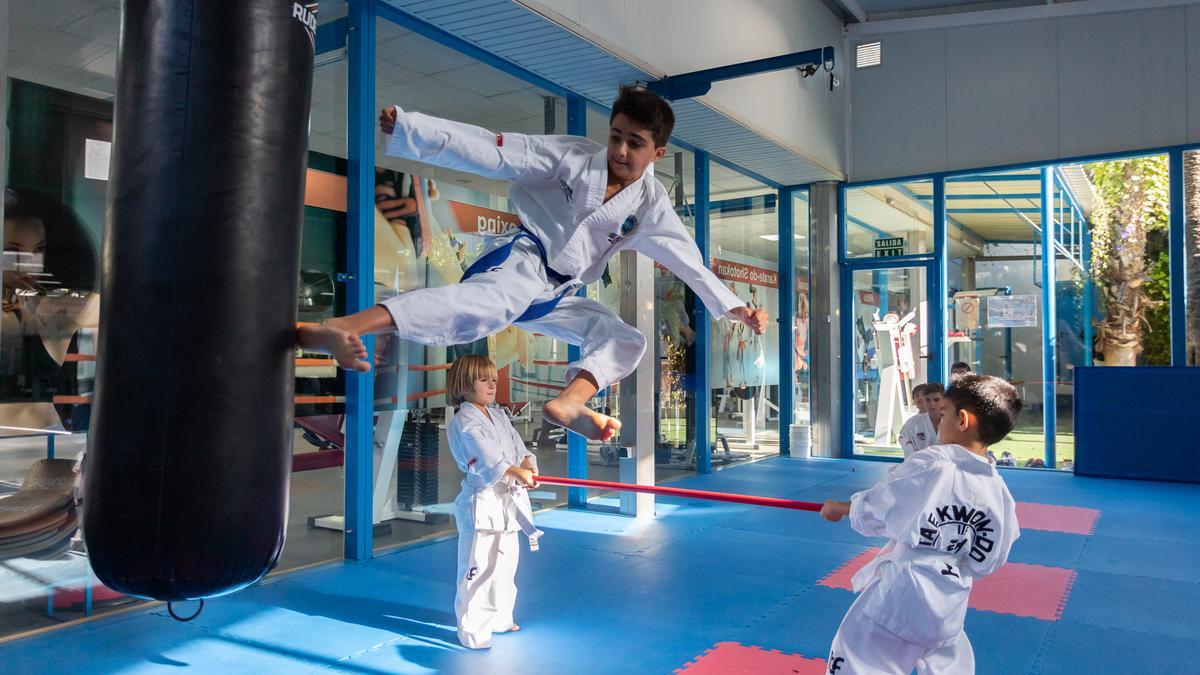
[[744, 367], [674, 343], [801, 418], [431, 224], [56, 143], [889, 220], [994, 317]]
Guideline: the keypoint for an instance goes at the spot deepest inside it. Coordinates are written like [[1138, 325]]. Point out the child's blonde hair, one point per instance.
[[460, 379]]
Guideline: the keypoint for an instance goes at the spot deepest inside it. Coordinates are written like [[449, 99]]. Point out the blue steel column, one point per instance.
[[847, 354], [703, 399], [1049, 319], [787, 324], [1089, 293], [577, 452], [938, 283], [360, 255], [1178, 250]]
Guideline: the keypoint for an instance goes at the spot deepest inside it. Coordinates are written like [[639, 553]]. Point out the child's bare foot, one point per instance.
[[581, 419], [344, 346], [511, 629]]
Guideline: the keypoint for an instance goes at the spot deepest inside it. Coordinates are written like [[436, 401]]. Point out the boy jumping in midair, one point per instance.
[[580, 204]]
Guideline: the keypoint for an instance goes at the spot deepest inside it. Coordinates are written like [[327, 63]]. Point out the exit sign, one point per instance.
[[888, 247]]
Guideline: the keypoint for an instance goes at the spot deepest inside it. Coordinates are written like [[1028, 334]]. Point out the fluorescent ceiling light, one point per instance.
[[775, 237]]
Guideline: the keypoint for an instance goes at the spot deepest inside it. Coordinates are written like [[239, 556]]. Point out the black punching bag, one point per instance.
[[186, 488]]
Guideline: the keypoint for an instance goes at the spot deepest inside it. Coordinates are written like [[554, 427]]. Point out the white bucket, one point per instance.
[[801, 441]]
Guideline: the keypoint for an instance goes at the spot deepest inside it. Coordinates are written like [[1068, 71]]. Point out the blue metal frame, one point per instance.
[[577, 106], [787, 326], [1178, 251], [846, 331], [360, 254], [1089, 297], [938, 281], [934, 264], [1049, 319], [577, 451], [976, 174], [703, 398], [698, 83], [331, 36], [1079, 250]]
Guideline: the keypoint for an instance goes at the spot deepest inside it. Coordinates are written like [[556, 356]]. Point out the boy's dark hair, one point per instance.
[[71, 258], [993, 401], [647, 109], [935, 388], [919, 390], [960, 365]]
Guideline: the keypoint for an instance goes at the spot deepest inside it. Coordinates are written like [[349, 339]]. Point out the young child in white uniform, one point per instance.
[[580, 203], [920, 431], [950, 520], [493, 505]]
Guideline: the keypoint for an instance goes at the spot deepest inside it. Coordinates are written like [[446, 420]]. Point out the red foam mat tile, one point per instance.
[[734, 658], [1019, 589], [1054, 518]]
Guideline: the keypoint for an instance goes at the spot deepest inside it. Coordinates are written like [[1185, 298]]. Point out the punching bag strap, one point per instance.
[[171, 611]]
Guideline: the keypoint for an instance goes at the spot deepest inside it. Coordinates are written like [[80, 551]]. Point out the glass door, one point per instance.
[[889, 326]]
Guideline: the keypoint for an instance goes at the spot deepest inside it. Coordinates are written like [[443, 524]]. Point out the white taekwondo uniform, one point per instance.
[[917, 433], [558, 185], [489, 511], [950, 520]]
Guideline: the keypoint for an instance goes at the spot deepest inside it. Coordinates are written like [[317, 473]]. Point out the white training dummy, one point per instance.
[[950, 520], [493, 505], [580, 203]]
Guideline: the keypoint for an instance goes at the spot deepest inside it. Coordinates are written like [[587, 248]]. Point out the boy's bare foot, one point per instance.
[[331, 338], [511, 629], [581, 419]]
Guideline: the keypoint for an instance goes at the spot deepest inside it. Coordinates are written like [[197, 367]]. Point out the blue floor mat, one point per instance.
[[1086, 648], [1056, 549], [1003, 643], [608, 594], [1135, 603], [1140, 557]]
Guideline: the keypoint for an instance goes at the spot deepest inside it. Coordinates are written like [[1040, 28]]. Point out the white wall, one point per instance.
[[988, 95], [678, 36]]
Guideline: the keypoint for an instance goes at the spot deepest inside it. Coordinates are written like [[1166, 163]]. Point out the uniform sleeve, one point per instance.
[[522, 451], [671, 245], [1001, 541], [907, 442], [893, 506], [465, 147], [481, 455]]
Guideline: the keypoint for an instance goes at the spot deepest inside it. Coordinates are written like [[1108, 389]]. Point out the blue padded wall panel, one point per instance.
[[1138, 422]]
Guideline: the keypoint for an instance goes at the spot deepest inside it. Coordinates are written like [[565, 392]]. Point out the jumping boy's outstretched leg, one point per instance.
[[340, 336], [570, 410]]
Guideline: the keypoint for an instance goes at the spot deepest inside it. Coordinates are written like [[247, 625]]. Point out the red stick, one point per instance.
[[683, 492]]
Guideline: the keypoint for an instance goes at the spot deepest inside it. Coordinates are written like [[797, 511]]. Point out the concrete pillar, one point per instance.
[[825, 322], [637, 390]]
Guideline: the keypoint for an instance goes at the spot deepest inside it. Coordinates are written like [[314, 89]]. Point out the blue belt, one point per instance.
[[497, 256]]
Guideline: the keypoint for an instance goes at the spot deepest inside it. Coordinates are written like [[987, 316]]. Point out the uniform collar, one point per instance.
[[970, 461], [599, 181], [470, 409]]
